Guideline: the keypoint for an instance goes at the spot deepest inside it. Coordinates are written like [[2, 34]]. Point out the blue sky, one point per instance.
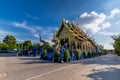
[[25, 19]]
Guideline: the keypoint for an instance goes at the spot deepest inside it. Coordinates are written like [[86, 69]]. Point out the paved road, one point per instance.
[[105, 67]]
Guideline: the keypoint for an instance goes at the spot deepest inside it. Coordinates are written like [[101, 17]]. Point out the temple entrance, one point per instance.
[[64, 43], [73, 45]]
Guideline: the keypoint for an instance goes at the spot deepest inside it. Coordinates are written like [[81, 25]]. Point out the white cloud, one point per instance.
[[106, 25], [33, 31], [114, 12], [23, 25], [45, 32], [66, 21], [107, 44], [30, 16], [4, 33], [92, 21], [101, 24], [108, 33], [36, 35], [84, 15], [39, 28]]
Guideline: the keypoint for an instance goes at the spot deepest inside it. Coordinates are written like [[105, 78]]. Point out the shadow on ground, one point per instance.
[[8, 54], [33, 60], [38, 62], [105, 74], [110, 59]]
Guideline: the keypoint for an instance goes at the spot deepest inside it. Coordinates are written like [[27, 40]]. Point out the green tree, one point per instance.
[[0, 45], [5, 46], [38, 45], [48, 46], [27, 44], [116, 43], [10, 41]]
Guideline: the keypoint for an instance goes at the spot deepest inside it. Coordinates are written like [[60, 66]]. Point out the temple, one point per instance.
[[70, 36]]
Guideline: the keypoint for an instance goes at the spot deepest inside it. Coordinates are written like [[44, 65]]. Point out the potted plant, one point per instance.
[[89, 55], [77, 54], [84, 55], [44, 54], [56, 56], [66, 56]]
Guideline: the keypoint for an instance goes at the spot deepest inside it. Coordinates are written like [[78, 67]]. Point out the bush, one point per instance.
[[66, 55], [89, 54], [105, 51], [84, 55], [93, 55], [44, 54], [56, 55], [77, 54]]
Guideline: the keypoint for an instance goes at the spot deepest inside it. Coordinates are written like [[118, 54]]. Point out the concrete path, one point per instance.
[[105, 67]]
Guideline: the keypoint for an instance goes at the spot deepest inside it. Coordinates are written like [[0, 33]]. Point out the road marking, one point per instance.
[[50, 72]]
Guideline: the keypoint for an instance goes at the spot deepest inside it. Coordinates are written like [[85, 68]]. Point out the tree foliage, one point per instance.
[[0, 45], [38, 45], [27, 44], [116, 43], [47, 46], [5, 46], [10, 41]]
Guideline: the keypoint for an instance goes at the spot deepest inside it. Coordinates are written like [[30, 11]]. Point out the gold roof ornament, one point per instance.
[[63, 20], [72, 23], [68, 23]]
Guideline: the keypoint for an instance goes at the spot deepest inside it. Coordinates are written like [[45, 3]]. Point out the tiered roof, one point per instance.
[[75, 31]]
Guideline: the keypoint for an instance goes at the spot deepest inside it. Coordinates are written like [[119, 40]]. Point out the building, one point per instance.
[[71, 37]]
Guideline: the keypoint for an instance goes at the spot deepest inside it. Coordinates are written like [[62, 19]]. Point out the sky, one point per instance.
[[25, 19]]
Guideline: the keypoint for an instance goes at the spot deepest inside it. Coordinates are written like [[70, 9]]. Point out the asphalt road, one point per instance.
[[105, 67]]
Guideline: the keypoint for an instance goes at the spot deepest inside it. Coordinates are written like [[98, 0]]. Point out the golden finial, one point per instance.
[[72, 23], [68, 23], [63, 20]]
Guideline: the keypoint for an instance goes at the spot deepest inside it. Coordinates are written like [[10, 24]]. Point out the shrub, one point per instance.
[[77, 54], [84, 54], [44, 54], [66, 55], [93, 55], [56, 55], [89, 54], [105, 51]]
